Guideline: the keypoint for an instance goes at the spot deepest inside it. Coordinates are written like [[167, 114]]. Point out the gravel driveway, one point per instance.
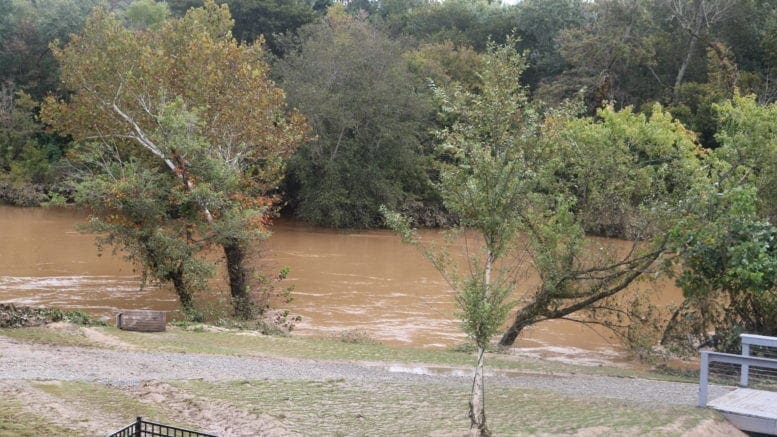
[[27, 361]]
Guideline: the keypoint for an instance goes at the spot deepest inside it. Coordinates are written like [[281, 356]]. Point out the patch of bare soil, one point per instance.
[[715, 428], [68, 415], [216, 417], [107, 339]]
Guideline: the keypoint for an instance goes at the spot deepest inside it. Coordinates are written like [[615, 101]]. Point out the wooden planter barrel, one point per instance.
[[141, 320]]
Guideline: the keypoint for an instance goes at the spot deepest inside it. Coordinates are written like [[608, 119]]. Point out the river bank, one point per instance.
[[90, 380]]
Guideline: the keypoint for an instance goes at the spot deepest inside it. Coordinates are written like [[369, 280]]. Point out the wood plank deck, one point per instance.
[[749, 410]]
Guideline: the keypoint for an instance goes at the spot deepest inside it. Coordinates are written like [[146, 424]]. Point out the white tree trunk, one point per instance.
[[694, 32], [477, 405]]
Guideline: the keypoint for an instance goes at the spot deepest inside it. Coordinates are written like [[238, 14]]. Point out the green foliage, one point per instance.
[[748, 141], [142, 14], [354, 85], [184, 136], [28, 155], [18, 133], [608, 55], [260, 20], [27, 30], [12, 316], [464, 22], [628, 172], [729, 275], [696, 101], [539, 23], [443, 63], [139, 210]]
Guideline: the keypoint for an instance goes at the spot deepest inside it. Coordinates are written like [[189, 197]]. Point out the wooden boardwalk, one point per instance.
[[749, 410]]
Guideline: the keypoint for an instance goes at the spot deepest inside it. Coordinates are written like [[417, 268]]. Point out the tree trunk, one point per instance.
[[183, 292], [526, 316], [698, 22], [238, 279], [512, 333], [477, 404]]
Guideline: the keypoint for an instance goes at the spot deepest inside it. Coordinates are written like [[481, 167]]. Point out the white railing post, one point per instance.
[[744, 377], [704, 374]]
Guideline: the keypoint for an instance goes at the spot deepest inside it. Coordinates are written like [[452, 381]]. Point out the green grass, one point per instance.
[[16, 422], [246, 343], [45, 335], [106, 401], [338, 407], [241, 344]]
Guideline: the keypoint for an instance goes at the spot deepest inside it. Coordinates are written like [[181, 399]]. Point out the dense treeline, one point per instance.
[[652, 120], [685, 54]]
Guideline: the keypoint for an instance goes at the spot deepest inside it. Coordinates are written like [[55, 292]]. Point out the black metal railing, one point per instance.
[[144, 428]]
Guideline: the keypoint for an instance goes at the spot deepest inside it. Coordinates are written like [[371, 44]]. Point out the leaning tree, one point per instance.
[[181, 97]]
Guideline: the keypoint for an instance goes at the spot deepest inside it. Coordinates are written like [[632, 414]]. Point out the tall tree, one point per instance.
[[609, 55], [696, 18], [26, 151], [26, 28], [265, 19], [123, 82], [368, 119], [539, 23], [729, 261]]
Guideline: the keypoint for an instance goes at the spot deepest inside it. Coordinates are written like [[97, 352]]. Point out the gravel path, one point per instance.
[[26, 361]]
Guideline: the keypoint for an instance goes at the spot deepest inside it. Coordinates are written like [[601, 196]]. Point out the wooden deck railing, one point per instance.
[[753, 340], [708, 357]]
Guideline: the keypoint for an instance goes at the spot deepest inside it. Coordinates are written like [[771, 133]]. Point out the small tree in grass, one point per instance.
[[485, 181]]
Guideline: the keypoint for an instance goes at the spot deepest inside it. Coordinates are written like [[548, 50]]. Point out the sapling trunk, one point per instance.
[[477, 406]]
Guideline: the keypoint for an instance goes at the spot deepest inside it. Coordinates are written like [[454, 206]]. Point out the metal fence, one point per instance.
[[144, 428]]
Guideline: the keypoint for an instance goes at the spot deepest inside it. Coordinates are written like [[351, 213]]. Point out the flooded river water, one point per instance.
[[343, 280]]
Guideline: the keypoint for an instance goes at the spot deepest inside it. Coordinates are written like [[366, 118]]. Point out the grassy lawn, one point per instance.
[[248, 343], [41, 334], [345, 407], [16, 422], [104, 401], [82, 405], [338, 407]]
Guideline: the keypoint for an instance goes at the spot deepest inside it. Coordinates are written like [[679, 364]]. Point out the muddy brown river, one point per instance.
[[343, 280]]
